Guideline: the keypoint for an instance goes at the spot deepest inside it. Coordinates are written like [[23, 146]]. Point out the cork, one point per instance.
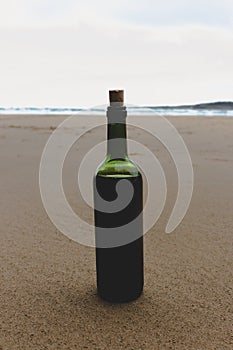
[[116, 97]]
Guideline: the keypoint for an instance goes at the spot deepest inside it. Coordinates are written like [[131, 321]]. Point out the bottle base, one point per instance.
[[119, 299]]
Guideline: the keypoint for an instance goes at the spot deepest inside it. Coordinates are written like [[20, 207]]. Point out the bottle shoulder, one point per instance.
[[118, 168]]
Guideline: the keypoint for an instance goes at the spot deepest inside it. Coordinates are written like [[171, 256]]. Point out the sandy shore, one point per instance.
[[48, 296]]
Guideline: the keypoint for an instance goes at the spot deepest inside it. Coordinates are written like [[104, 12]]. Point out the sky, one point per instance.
[[69, 53]]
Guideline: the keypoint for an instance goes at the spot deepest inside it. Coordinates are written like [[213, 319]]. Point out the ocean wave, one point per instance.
[[132, 110]]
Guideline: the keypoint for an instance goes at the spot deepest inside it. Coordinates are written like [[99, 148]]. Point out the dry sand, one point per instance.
[[48, 293]]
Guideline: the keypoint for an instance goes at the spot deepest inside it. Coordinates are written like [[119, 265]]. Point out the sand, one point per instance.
[[48, 292]]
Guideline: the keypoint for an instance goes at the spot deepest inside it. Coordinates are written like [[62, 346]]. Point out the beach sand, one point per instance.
[[48, 287]]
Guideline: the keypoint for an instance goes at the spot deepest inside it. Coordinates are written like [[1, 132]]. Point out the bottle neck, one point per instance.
[[117, 134]]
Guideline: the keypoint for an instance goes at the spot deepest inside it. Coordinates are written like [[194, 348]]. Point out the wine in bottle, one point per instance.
[[118, 205]]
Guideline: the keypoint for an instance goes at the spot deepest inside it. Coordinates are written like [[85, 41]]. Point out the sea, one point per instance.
[[206, 110]]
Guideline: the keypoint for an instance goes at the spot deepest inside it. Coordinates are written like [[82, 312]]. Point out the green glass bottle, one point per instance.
[[118, 213]]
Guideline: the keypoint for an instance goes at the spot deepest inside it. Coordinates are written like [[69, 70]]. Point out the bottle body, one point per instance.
[[118, 232], [120, 268]]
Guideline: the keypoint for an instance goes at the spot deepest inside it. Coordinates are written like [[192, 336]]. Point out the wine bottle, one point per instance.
[[118, 206]]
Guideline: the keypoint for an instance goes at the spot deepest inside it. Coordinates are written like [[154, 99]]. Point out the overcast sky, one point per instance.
[[69, 53]]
